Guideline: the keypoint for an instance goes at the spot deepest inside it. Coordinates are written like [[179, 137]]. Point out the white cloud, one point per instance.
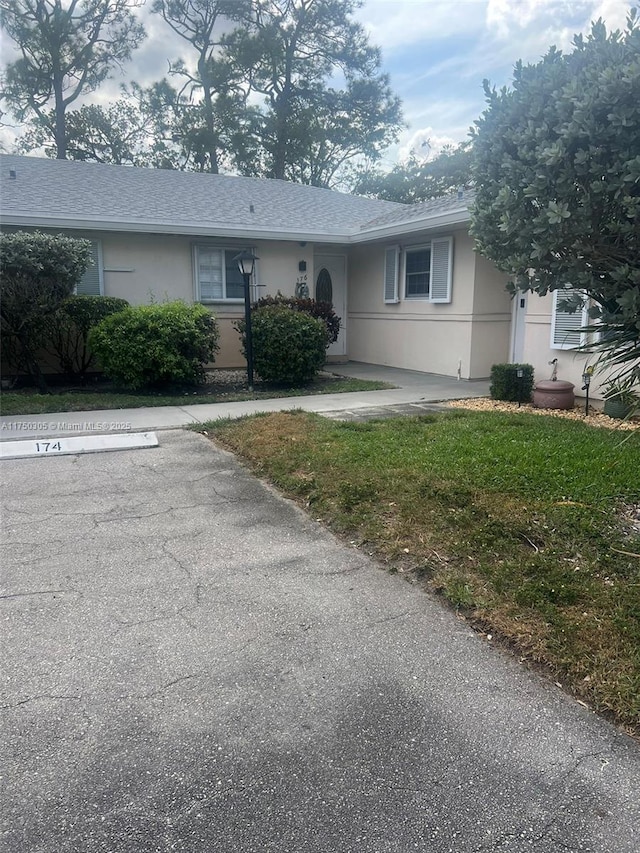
[[425, 143], [396, 24]]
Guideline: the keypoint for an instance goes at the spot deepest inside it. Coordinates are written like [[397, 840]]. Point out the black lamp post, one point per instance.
[[246, 263], [586, 379], [520, 375]]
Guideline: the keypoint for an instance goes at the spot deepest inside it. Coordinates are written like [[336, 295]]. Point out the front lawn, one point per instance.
[[528, 525], [223, 387]]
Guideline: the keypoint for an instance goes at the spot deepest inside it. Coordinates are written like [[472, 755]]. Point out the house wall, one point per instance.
[[491, 327], [145, 267], [538, 351], [470, 333], [142, 268]]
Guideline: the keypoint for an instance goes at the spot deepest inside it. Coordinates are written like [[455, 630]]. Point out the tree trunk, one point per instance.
[[60, 130], [283, 109], [31, 363], [211, 138]]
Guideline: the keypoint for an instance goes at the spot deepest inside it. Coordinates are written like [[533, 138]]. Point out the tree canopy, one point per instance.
[[66, 50], [306, 129], [419, 180], [556, 165], [288, 89]]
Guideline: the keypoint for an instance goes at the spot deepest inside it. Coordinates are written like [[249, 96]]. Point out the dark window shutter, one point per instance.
[[91, 282]]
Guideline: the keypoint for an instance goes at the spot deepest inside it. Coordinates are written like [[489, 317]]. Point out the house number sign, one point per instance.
[[302, 288]]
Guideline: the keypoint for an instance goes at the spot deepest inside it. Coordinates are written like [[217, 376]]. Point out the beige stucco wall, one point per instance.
[[491, 327], [538, 351], [142, 268], [470, 333]]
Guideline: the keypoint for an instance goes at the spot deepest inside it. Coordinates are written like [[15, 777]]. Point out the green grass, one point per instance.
[[29, 402], [517, 520]]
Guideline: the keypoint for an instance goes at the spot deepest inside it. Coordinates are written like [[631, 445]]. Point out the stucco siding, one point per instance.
[[538, 351], [142, 268], [414, 343], [491, 330], [415, 333]]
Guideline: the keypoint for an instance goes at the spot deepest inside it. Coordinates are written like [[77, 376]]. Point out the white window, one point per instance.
[[566, 325], [91, 283], [427, 271], [217, 276], [417, 272]]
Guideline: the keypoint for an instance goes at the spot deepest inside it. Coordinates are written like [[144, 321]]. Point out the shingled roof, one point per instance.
[[92, 196]]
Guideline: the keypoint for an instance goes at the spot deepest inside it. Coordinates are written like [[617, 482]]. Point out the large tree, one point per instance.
[[557, 173], [291, 50], [118, 132], [209, 106], [66, 50]]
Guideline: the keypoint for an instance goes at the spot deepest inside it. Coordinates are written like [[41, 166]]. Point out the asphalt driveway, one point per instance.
[[191, 664]]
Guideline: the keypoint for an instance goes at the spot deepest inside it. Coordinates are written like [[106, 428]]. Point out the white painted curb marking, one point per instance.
[[76, 444]]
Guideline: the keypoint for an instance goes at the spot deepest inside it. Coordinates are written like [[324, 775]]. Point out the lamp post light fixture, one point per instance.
[[519, 374], [586, 382], [246, 261]]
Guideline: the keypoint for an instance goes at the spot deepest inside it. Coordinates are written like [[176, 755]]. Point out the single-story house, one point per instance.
[[405, 279]]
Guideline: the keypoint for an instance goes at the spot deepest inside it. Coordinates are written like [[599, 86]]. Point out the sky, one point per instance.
[[436, 52]]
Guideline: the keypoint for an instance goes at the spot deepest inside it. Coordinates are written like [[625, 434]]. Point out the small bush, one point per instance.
[[69, 327], [320, 310], [505, 384], [153, 345], [288, 346]]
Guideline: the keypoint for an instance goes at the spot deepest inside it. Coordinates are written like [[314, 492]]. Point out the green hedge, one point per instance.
[[68, 329], [288, 346], [505, 384], [152, 345], [320, 310]]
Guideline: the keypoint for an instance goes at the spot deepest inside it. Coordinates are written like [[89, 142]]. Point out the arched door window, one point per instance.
[[324, 287]]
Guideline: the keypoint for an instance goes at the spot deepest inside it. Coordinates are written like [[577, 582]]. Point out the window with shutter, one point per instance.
[[441, 270], [391, 258], [428, 270], [91, 283], [566, 325]]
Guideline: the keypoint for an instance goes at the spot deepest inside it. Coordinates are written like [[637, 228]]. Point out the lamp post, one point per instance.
[[586, 380], [246, 263], [519, 374]]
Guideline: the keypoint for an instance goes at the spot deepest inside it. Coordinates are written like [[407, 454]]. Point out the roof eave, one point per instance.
[[409, 226], [397, 229], [189, 230]]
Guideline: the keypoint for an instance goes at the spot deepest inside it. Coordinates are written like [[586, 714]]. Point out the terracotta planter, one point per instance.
[[554, 394]]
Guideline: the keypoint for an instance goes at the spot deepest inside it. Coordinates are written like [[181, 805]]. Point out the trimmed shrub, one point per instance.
[[320, 310], [505, 384], [288, 346], [69, 328], [39, 271], [152, 345]]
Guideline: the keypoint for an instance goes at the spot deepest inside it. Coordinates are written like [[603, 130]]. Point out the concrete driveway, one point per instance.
[[191, 664]]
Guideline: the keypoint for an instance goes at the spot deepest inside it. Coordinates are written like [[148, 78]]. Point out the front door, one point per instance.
[[330, 285]]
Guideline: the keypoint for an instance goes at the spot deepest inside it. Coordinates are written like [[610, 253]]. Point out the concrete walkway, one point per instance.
[[412, 388]]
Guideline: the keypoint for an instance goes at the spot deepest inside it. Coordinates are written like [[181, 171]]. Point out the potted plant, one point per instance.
[[620, 399]]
